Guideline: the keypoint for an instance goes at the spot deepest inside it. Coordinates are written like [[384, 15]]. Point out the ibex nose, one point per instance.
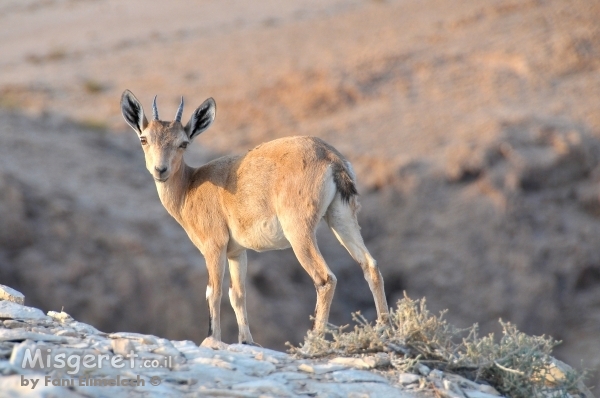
[[160, 170]]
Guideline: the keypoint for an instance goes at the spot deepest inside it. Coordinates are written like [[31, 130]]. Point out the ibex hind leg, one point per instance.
[[341, 218], [304, 243]]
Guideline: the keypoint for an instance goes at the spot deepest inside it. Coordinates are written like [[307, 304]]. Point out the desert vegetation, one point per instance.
[[516, 364], [472, 126]]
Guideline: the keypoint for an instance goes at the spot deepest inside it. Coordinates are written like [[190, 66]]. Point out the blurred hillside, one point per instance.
[[473, 128]]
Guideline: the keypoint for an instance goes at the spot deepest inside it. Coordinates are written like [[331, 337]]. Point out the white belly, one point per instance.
[[263, 236]]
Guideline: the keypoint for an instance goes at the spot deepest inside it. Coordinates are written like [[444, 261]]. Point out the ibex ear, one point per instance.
[[201, 119], [133, 112]]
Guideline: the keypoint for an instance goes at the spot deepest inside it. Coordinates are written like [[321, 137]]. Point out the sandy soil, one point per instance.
[[473, 128]]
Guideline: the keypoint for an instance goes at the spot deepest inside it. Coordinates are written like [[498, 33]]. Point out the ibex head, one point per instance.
[[164, 142]]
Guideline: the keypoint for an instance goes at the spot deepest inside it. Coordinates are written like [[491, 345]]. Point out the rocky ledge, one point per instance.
[[52, 354]]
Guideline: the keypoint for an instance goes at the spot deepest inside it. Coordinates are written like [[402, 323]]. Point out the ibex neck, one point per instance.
[[173, 191]]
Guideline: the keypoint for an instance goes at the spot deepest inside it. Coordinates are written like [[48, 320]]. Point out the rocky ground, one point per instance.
[[473, 128], [151, 366]]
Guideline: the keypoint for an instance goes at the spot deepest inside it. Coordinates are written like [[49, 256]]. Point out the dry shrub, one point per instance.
[[518, 365]]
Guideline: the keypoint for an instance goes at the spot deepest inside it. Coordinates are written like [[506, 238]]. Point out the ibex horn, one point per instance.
[[179, 112], [154, 109]]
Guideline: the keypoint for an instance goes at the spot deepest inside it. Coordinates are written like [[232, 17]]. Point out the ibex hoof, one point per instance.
[[211, 342]]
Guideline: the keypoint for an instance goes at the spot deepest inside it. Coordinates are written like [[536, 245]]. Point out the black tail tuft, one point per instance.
[[343, 181]]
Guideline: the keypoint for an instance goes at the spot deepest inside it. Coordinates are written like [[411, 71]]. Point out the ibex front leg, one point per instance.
[[215, 263], [237, 295]]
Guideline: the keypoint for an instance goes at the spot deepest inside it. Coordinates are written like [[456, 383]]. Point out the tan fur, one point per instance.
[[271, 198]]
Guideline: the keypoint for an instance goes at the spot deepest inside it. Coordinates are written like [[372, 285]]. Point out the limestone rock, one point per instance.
[[60, 316], [320, 369], [10, 294], [122, 346], [181, 368], [478, 394], [408, 378], [369, 362], [20, 335], [12, 310], [356, 376]]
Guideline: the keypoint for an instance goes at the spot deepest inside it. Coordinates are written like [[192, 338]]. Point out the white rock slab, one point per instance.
[[12, 310], [257, 350], [142, 338], [357, 376], [266, 386], [256, 368], [219, 363], [21, 335], [10, 294], [284, 377], [371, 390]]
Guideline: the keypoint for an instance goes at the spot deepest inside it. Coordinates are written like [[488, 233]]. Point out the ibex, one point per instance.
[[270, 198]]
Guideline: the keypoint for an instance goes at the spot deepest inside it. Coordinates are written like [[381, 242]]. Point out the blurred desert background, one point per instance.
[[473, 127]]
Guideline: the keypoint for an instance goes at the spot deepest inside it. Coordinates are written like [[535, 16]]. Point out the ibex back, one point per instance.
[[273, 197]]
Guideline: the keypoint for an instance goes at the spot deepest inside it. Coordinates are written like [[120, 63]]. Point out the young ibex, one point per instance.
[[271, 198]]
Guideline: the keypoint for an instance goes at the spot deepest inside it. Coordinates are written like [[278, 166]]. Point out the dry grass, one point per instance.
[[518, 365]]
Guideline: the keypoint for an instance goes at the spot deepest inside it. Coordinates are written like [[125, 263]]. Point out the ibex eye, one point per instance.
[[143, 140], [183, 145]]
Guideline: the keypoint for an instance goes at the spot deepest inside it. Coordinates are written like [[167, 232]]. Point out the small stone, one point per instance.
[[477, 394], [489, 390], [321, 369], [12, 310], [122, 346], [462, 382], [370, 362], [10, 294], [60, 316], [357, 363], [378, 360], [435, 374], [357, 376], [424, 370], [408, 378], [558, 372]]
